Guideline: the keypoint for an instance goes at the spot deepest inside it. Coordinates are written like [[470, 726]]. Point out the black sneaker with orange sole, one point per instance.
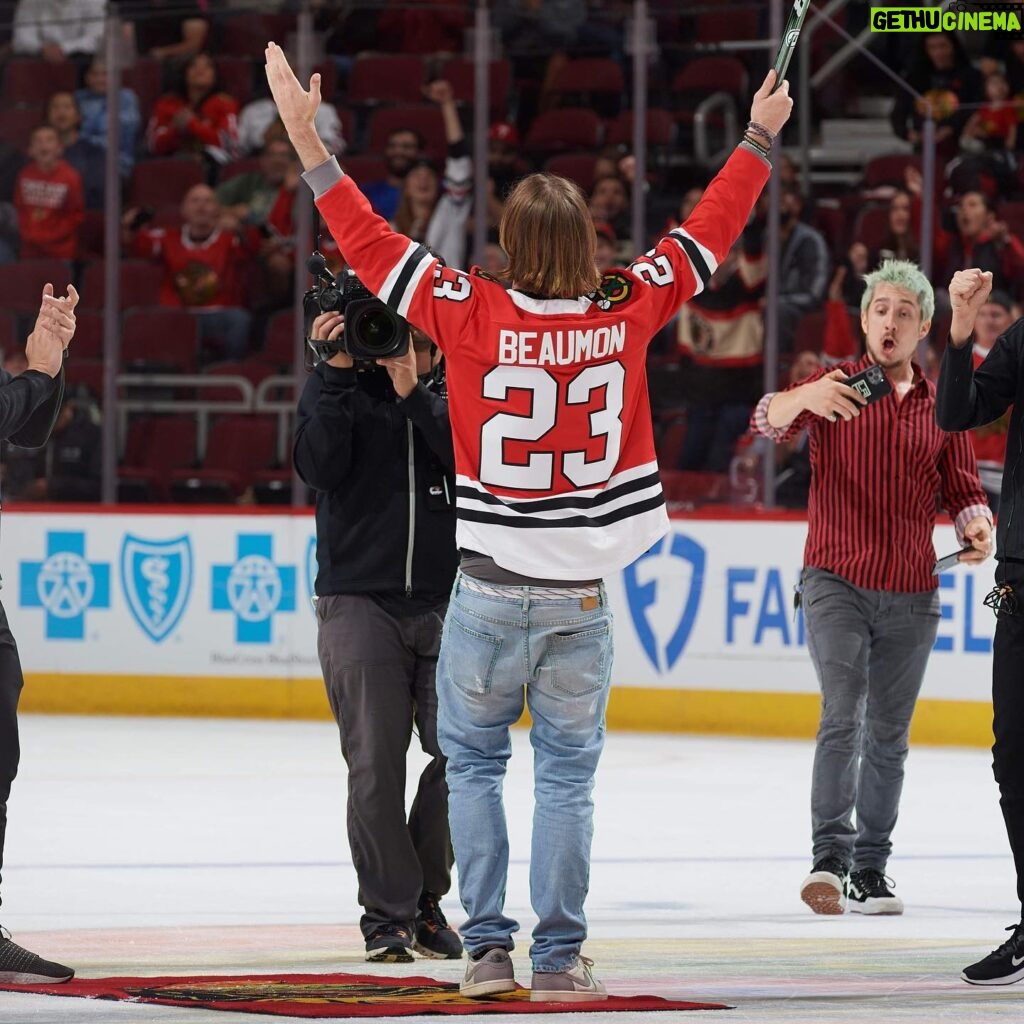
[[435, 938]]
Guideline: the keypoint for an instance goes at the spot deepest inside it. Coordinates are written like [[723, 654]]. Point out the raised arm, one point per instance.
[[683, 261]]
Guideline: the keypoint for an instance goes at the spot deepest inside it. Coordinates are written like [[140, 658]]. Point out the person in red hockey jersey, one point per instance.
[[556, 486], [48, 199]]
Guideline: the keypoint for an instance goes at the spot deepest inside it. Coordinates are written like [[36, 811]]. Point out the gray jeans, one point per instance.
[[379, 672], [869, 649]]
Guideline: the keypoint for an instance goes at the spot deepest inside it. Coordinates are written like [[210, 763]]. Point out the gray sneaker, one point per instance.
[[490, 974], [574, 985]]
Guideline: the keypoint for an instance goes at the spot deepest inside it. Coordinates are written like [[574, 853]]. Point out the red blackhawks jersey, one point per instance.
[[556, 470]]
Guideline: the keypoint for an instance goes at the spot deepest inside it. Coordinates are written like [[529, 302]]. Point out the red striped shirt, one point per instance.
[[876, 483]]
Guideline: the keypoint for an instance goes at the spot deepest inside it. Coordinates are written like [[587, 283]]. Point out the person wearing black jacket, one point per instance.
[[376, 447], [29, 404], [968, 398]]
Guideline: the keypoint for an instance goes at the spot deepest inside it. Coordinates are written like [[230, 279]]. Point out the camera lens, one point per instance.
[[376, 330]]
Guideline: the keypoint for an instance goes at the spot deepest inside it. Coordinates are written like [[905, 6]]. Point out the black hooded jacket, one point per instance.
[[383, 472]]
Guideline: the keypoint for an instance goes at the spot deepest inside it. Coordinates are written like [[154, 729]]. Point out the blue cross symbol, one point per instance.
[[254, 588], [65, 585]]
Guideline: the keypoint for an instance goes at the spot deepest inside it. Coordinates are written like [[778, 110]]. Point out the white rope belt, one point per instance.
[[540, 593]]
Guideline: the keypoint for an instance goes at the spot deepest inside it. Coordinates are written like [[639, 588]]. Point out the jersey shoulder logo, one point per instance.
[[615, 288]]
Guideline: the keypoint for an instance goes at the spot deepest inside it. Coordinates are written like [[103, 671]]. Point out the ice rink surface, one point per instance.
[[173, 846]]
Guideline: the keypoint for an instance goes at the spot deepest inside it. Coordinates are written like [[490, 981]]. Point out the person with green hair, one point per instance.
[[870, 599]]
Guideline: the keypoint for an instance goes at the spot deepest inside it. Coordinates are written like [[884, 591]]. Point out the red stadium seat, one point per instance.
[[87, 374], [21, 283], [140, 284], [688, 487], [246, 35], [156, 446], [566, 129], [705, 75], [462, 75], [88, 340], [35, 80], [425, 119], [253, 370], [661, 128], [239, 446], [578, 167], [145, 79], [889, 169], [364, 168], [278, 345], [91, 235], [720, 26], [1012, 212], [163, 180], [386, 78], [872, 226], [247, 165], [595, 82], [235, 74], [16, 124], [670, 442], [159, 339], [10, 338]]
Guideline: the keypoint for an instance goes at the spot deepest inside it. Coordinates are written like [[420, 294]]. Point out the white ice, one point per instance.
[[132, 843]]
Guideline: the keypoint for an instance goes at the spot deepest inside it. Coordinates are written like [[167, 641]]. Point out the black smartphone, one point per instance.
[[871, 383], [790, 36], [948, 561]]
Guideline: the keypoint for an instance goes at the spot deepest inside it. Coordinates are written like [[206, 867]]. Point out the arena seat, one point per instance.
[[556, 131], [21, 283], [461, 72], [423, 118], [163, 180], [35, 80], [660, 124], [594, 82], [16, 124], [140, 282], [578, 167], [386, 78], [159, 339], [155, 447]]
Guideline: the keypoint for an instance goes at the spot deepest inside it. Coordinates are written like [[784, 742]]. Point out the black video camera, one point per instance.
[[372, 330]]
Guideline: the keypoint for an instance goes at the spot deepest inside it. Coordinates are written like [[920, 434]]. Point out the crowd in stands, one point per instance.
[[209, 183]]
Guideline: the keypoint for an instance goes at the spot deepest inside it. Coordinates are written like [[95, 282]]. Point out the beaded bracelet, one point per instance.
[[759, 129]]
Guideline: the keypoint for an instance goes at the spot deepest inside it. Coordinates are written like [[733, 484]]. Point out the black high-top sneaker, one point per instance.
[[20, 967], [389, 944], [824, 889], [1003, 966], [869, 893], [434, 937]]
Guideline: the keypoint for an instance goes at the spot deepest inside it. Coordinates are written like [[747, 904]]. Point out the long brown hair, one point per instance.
[[549, 236]]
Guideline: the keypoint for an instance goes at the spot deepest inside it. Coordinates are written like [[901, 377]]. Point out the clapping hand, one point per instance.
[[53, 331]]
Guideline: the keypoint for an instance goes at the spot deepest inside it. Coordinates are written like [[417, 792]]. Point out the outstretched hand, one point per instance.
[[968, 292], [296, 106], [53, 330], [771, 109]]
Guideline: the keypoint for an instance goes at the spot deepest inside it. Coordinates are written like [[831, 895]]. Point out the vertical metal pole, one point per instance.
[[303, 224], [927, 193], [641, 51], [803, 111], [112, 260], [481, 121], [771, 309]]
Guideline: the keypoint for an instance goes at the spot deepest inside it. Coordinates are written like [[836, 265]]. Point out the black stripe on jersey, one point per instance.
[[691, 250], [416, 257], [550, 504], [560, 524]]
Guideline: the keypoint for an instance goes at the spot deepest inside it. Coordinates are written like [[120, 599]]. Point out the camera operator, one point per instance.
[[373, 440], [29, 404]]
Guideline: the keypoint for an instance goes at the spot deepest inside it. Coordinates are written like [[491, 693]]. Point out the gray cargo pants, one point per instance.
[[379, 674], [869, 649]]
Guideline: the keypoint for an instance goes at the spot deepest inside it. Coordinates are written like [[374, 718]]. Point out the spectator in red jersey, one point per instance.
[[995, 317], [48, 198], [204, 268], [86, 157], [995, 124], [878, 472], [198, 117], [559, 333], [263, 200]]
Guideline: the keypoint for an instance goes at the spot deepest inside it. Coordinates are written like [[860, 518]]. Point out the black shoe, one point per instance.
[[1003, 966], [869, 893], [824, 889], [434, 938], [389, 944], [20, 967]]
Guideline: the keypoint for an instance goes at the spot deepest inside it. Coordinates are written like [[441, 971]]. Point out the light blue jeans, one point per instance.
[[496, 652]]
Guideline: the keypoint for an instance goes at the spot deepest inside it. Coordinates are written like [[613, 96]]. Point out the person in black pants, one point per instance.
[[29, 405], [375, 444], [969, 398]]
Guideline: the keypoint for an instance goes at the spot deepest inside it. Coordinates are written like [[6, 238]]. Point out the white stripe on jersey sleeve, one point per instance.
[[426, 263], [709, 258], [389, 282]]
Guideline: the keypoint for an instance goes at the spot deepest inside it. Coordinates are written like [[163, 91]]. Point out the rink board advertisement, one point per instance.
[[213, 614]]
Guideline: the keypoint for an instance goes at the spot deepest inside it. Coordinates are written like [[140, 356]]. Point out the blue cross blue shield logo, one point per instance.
[[157, 579], [254, 588], [65, 585], [662, 615]]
